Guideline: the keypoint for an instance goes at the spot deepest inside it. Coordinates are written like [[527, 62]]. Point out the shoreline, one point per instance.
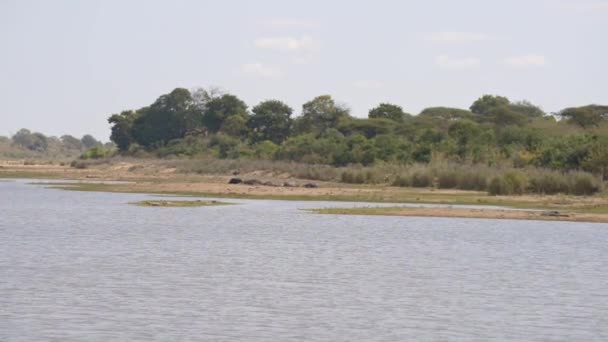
[[143, 177]]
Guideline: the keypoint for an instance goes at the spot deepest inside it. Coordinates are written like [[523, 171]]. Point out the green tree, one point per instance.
[[527, 109], [368, 127], [440, 118], [236, 126], [121, 129], [271, 120], [484, 104], [505, 116], [388, 111], [597, 159], [585, 117], [218, 109], [319, 114], [171, 116]]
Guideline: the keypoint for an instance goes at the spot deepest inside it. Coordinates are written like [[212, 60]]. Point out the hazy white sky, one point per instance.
[[65, 66]]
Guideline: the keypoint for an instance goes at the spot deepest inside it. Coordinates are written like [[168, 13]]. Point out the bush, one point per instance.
[[352, 177], [497, 186], [549, 183], [421, 180], [516, 182], [265, 149], [511, 183], [585, 184], [473, 181], [95, 152], [448, 179], [402, 181]]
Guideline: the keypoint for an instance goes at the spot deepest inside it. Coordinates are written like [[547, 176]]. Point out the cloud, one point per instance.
[[526, 61], [262, 71], [456, 37], [368, 84], [284, 24], [287, 44], [447, 62]]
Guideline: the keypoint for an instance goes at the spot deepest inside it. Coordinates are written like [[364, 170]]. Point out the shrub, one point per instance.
[[516, 182], [402, 181], [421, 180], [448, 179], [95, 152], [497, 186], [265, 149], [549, 183], [352, 177], [585, 184], [511, 183], [473, 181]]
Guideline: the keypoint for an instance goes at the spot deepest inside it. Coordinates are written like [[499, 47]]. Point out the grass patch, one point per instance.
[[471, 213], [179, 204]]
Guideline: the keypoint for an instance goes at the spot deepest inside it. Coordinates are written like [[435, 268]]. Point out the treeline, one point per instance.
[[27, 144], [494, 131]]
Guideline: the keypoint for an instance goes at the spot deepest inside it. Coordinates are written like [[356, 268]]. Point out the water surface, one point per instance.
[[80, 266]]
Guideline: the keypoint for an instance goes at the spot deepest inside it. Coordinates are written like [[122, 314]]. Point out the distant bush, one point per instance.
[[585, 184], [549, 183], [352, 177], [449, 179], [511, 183], [96, 152], [497, 186], [473, 181], [421, 180], [516, 182], [402, 181]]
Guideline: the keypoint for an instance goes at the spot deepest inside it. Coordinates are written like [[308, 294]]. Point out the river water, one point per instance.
[[85, 266]]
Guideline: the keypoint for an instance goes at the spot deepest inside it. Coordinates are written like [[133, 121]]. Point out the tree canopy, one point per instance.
[[495, 130]]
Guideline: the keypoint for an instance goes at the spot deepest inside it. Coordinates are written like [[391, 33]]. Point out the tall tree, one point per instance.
[[171, 116], [271, 120], [218, 109], [484, 104], [319, 114], [121, 129]]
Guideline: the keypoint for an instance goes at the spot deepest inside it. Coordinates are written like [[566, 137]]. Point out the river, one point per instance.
[[87, 266]]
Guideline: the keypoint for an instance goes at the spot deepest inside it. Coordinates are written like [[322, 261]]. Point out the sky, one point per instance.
[[66, 66]]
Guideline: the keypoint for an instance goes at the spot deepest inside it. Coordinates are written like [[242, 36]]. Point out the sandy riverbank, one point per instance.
[[149, 176]]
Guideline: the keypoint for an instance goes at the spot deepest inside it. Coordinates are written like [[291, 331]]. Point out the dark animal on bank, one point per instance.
[[235, 181]]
